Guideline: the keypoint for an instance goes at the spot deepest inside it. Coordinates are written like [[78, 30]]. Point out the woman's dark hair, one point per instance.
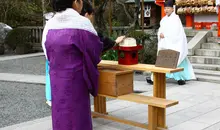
[[87, 8], [61, 5]]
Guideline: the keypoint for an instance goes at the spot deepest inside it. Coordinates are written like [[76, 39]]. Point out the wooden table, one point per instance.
[[159, 86]]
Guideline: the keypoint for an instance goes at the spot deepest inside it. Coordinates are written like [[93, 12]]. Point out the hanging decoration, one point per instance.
[[195, 6]]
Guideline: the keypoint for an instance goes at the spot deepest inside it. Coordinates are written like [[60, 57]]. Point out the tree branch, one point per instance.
[[125, 9]]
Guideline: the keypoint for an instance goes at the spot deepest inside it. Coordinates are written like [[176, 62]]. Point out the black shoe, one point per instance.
[[149, 80], [181, 82]]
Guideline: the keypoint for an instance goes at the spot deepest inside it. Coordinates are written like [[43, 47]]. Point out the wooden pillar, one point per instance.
[[152, 118], [189, 20], [162, 11], [142, 14], [161, 4], [110, 17], [218, 21], [100, 104], [160, 92]]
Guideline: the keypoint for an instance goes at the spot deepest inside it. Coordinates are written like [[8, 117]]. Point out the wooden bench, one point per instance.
[[154, 104]]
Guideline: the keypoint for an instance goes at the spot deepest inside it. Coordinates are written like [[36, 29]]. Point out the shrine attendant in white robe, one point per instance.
[[171, 35]]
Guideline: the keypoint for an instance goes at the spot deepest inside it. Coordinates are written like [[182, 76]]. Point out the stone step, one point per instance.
[[206, 67], [207, 72], [205, 60], [213, 39], [190, 32], [207, 52], [206, 78], [215, 46], [189, 38], [215, 33]]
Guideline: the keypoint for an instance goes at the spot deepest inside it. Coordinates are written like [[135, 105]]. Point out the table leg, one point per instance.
[[160, 92], [152, 118], [100, 104]]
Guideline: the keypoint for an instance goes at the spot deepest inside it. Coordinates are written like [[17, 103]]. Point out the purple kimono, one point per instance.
[[73, 50]]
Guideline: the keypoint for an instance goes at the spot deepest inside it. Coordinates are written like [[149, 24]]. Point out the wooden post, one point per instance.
[[152, 118], [142, 14], [218, 21], [161, 4], [162, 11], [160, 92], [189, 20], [110, 17], [93, 4], [100, 104]]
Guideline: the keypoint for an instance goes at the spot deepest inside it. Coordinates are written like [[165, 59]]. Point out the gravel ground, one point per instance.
[[21, 102], [33, 65]]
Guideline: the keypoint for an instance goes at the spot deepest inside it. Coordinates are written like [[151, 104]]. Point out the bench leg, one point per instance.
[[100, 104], [160, 92], [152, 118]]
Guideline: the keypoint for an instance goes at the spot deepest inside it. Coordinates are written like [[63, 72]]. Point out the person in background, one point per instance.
[[72, 48], [171, 35], [108, 43], [88, 12]]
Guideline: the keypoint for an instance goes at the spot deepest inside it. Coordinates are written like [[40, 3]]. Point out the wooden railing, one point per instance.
[[37, 32]]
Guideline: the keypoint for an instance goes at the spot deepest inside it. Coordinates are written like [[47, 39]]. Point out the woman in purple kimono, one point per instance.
[[73, 49]]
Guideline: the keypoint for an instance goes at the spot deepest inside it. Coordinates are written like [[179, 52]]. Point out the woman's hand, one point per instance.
[[119, 39], [161, 35]]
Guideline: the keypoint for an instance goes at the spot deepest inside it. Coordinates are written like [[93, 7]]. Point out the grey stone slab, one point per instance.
[[205, 107], [181, 106], [23, 78], [209, 118], [112, 126], [23, 65], [179, 96], [142, 117], [118, 126], [135, 128], [5, 58], [199, 99], [213, 127], [101, 121], [189, 125], [175, 119], [131, 111], [180, 117]]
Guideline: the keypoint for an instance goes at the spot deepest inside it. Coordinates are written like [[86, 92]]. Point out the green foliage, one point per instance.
[[20, 13], [140, 36], [19, 38], [149, 42], [149, 53], [115, 23], [110, 55]]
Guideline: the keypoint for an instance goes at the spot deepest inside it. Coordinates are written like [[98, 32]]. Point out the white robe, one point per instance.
[[175, 39], [174, 36]]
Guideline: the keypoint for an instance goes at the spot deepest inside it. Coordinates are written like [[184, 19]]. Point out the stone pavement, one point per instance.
[[198, 109]]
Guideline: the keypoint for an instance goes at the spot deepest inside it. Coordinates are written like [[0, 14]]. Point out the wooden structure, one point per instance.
[[115, 82], [200, 13], [150, 12], [156, 105], [161, 4]]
